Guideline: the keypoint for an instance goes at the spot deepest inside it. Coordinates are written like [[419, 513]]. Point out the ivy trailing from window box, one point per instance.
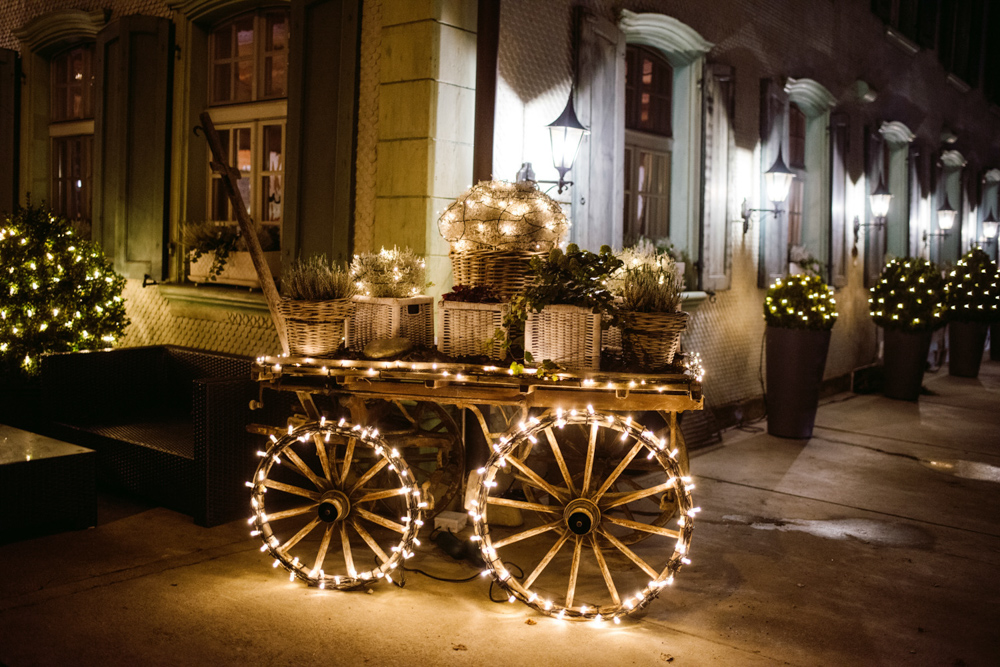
[[211, 238]]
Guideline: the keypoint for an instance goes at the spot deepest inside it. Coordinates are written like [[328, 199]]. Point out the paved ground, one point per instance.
[[875, 543]]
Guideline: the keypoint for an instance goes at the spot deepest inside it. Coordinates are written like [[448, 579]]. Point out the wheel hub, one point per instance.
[[333, 506], [582, 516]]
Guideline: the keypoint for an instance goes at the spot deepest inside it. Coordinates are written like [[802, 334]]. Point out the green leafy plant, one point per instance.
[[908, 296], [219, 240], [59, 294], [389, 273], [971, 291], [315, 279], [472, 294], [800, 302]]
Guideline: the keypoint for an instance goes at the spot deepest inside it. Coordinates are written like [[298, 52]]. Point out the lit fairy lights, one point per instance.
[[909, 296], [497, 215], [345, 484], [389, 273], [584, 516], [971, 290], [800, 302]]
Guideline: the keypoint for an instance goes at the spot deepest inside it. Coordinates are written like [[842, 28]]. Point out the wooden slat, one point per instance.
[[346, 545], [520, 504], [369, 540], [297, 511], [560, 461], [382, 521], [531, 532], [605, 571], [537, 481], [379, 495], [631, 555], [381, 463], [639, 495], [644, 527], [323, 546], [547, 558], [288, 488], [303, 468], [617, 471], [574, 571], [297, 537], [588, 468]]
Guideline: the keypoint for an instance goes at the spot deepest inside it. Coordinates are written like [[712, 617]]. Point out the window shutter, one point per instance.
[[915, 190], [773, 229], [131, 143], [10, 103], [321, 119], [718, 149], [874, 236], [839, 133], [599, 173]]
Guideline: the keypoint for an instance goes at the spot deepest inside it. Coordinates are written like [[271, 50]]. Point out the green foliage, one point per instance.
[[315, 279], [908, 296], [219, 240], [472, 294], [971, 291], [648, 281], [389, 273], [59, 293], [800, 302]]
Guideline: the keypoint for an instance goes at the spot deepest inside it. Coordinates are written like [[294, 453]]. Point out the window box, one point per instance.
[[239, 269]]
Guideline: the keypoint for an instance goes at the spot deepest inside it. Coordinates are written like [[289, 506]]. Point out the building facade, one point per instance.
[[355, 122]]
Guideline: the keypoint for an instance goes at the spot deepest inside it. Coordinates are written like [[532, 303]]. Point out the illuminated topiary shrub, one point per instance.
[[971, 292], [58, 294], [909, 296], [800, 302]]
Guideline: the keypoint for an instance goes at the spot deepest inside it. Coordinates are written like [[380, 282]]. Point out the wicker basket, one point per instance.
[[568, 335], [464, 328], [505, 270], [378, 318], [315, 328], [654, 337]]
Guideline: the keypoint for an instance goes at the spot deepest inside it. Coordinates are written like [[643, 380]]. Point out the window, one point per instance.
[[648, 86], [71, 133], [248, 75], [797, 162]]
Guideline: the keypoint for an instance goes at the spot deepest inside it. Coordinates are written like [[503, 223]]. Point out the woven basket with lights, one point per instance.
[[315, 328], [379, 318], [466, 329], [505, 269], [567, 335]]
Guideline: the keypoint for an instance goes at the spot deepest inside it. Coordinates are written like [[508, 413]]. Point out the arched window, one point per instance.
[[649, 84], [248, 75], [71, 131]]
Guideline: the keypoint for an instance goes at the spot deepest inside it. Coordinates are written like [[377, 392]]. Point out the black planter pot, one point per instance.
[[966, 341], [795, 362], [995, 341], [904, 363]]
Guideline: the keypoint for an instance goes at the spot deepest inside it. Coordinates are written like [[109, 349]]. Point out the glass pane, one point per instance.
[[222, 83], [645, 171], [657, 217], [76, 102], [272, 195], [275, 74], [658, 184], [277, 32], [59, 103], [271, 155], [644, 111], [244, 81], [220, 203], [223, 38], [245, 191], [243, 155], [244, 37], [224, 142], [647, 72]]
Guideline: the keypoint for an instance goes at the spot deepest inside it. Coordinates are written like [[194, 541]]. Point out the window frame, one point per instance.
[[257, 58]]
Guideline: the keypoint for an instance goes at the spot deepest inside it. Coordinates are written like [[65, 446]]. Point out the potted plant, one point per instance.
[[563, 307], [907, 302], [799, 311], [389, 302], [648, 290], [972, 298], [218, 253], [316, 304], [467, 318], [495, 228]]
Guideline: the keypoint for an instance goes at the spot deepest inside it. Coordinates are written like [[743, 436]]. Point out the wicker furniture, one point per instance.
[[568, 335], [378, 318], [505, 270], [464, 328], [654, 337], [316, 328], [45, 485], [168, 423]]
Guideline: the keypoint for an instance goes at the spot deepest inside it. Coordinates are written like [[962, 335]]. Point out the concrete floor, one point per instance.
[[877, 542]]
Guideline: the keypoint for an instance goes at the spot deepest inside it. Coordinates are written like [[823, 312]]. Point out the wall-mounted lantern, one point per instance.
[[565, 135], [879, 201], [777, 182]]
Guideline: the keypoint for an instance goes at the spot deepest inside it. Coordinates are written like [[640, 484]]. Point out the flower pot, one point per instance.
[[654, 337], [239, 269], [377, 318], [966, 341], [995, 341], [316, 328], [567, 335], [904, 363], [466, 328], [796, 359]]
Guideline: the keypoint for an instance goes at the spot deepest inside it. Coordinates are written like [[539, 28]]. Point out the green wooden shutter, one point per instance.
[[321, 123], [838, 260], [10, 103], [132, 143], [598, 175], [874, 236], [773, 228], [718, 150]]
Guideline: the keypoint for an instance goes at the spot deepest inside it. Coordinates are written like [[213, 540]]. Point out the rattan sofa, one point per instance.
[[168, 423]]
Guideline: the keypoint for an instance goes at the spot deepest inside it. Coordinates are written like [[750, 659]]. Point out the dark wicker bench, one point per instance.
[[168, 423]]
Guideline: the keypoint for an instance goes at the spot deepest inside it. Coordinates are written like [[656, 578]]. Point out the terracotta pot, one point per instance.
[[904, 363], [796, 359], [966, 341]]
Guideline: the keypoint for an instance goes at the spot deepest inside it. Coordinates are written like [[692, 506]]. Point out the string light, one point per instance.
[[388, 273], [971, 292], [800, 302]]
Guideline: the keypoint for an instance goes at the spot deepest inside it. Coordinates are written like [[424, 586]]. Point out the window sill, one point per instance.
[[691, 301], [901, 41], [203, 302]]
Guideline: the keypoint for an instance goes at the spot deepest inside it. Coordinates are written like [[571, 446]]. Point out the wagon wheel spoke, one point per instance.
[[324, 545], [520, 504], [631, 555], [531, 532], [308, 528], [574, 571], [381, 494], [605, 572], [537, 481], [324, 460], [560, 461], [644, 527], [369, 540], [295, 511], [380, 520], [542, 564], [306, 471], [371, 472], [642, 493], [589, 465], [348, 457], [345, 543], [617, 471], [295, 490]]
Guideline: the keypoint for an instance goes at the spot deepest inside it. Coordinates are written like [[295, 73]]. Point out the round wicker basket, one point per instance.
[[315, 328], [505, 270], [654, 337]]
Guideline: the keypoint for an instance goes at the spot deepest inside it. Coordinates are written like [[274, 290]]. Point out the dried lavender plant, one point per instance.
[[315, 279], [648, 281]]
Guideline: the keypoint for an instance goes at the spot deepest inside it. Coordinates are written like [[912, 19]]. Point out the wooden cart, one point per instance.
[[579, 512]]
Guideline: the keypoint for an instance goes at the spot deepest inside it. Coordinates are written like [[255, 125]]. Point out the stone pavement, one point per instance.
[[877, 542]]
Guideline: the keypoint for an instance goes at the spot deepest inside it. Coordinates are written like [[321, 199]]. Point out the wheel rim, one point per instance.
[[586, 572], [335, 505]]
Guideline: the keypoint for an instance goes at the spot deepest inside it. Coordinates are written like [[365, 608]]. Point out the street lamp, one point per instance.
[[777, 182]]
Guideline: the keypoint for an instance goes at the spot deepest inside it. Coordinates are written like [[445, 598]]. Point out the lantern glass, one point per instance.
[[880, 200], [565, 145], [946, 218], [990, 228], [778, 180]]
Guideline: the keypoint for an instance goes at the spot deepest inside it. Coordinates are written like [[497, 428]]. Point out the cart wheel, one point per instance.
[[326, 487], [586, 572]]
